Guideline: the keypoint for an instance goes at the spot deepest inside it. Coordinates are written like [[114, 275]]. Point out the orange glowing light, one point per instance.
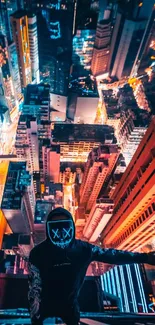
[[42, 188], [140, 4]]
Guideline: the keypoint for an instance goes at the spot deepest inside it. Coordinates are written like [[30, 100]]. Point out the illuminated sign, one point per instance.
[[55, 30]]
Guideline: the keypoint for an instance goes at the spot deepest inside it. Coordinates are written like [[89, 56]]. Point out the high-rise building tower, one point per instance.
[[99, 166], [132, 224], [33, 43], [34, 127], [83, 43], [51, 163], [99, 216], [128, 35], [27, 142], [125, 44], [18, 201], [99, 64], [37, 101], [7, 8], [19, 22], [55, 46], [15, 71], [146, 47], [6, 76]]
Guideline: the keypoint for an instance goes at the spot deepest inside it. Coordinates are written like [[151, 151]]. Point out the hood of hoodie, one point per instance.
[[58, 212]]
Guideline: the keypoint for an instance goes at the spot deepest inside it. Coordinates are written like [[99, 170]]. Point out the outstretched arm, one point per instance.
[[118, 257], [34, 291]]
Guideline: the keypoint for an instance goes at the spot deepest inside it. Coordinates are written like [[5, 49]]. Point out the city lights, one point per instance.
[[77, 131]]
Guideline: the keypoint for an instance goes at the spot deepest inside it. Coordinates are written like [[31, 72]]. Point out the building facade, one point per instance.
[[27, 142], [100, 60], [77, 140], [19, 23], [6, 76], [99, 216], [128, 283], [132, 224], [7, 8], [18, 202], [99, 166], [83, 43], [15, 72], [33, 43]]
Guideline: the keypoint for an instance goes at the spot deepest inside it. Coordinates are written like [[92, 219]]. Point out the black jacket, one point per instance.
[[56, 275]]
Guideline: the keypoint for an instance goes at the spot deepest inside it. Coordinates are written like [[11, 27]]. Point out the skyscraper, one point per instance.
[[100, 60], [27, 142], [18, 199], [77, 140], [7, 8], [19, 22], [6, 76], [128, 31], [99, 166], [132, 224], [33, 43], [51, 163], [99, 216], [128, 282], [83, 43], [15, 71], [37, 101], [34, 127], [147, 47], [126, 45], [55, 48]]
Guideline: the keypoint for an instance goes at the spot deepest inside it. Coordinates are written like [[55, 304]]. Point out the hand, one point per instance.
[[151, 258], [35, 312]]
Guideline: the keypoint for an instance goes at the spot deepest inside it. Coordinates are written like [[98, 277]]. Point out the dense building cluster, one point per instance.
[[77, 128]]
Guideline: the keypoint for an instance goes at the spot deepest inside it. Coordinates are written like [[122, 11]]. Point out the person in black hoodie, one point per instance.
[[58, 265]]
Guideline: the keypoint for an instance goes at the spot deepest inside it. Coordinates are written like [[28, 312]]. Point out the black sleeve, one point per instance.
[[118, 257], [34, 289]]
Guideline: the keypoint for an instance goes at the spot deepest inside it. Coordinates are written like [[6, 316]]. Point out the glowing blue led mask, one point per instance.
[[60, 232]]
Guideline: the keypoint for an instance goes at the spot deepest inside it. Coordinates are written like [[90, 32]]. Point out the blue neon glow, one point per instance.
[[113, 282], [109, 283], [55, 30], [102, 284], [132, 289], [141, 289], [124, 289], [118, 287], [150, 307], [105, 282]]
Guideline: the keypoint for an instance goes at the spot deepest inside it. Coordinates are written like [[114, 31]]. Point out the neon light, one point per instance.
[[109, 284], [132, 289], [55, 30], [105, 282], [152, 304], [113, 282], [102, 283], [118, 287], [141, 289], [124, 289]]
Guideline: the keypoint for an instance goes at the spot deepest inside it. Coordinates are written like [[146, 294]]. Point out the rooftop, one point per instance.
[[17, 179], [83, 132], [37, 94], [21, 13]]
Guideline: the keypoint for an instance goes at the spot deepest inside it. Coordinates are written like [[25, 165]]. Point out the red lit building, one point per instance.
[[132, 226], [99, 166]]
